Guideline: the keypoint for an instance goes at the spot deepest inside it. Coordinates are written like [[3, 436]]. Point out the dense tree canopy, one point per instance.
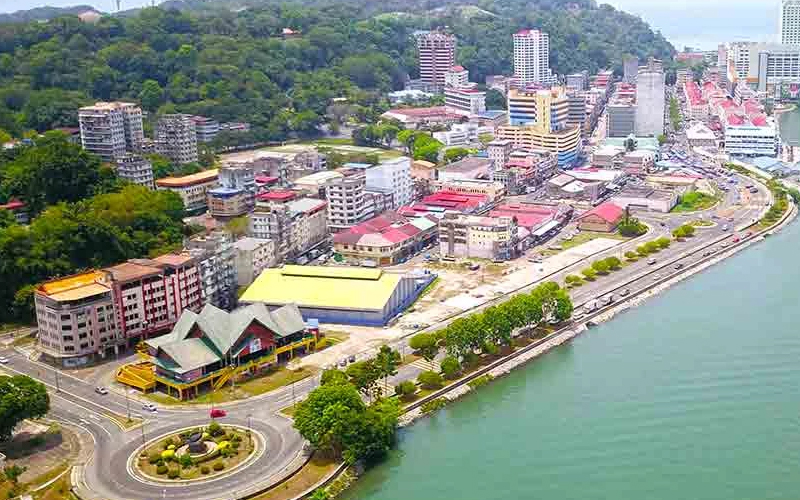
[[237, 67], [21, 397]]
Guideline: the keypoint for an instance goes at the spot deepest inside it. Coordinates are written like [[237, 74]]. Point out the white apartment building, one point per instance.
[[650, 101], [348, 201], [471, 236], [462, 134], [176, 138], [499, 152], [532, 57], [136, 169], [206, 128], [390, 176], [467, 99], [437, 55], [763, 66], [790, 22], [214, 255], [108, 129], [456, 77], [253, 255], [751, 140]]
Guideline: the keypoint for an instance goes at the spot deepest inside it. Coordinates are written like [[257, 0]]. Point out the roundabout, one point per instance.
[[196, 454]]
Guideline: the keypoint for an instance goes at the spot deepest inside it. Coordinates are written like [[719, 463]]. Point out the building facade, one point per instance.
[[109, 129], [206, 128], [136, 169], [467, 99], [620, 119], [235, 194], [252, 256], [650, 101], [790, 22], [176, 138], [295, 226], [348, 201], [386, 240], [469, 236], [215, 258], [532, 57], [437, 55], [193, 189]]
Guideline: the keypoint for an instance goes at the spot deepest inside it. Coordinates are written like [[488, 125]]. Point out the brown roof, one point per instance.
[[128, 271], [174, 259]]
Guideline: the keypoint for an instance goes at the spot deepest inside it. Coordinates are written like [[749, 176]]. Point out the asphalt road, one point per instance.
[[106, 474]]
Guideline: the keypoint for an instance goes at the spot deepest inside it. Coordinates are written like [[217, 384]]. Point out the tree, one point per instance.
[[652, 247], [454, 154], [333, 377], [151, 95], [387, 362], [450, 367], [613, 263], [425, 345], [663, 242], [601, 266], [13, 472], [364, 376], [237, 226], [21, 398], [328, 416], [630, 226], [642, 250], [320, 494], [495, 99], [430, 380], [630, 255], [405, 389], [662, 139], [589, 273], [485, 139]]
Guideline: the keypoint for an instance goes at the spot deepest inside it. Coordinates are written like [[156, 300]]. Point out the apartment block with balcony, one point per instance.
[[253, 255], [235, 195], [136, 169], [295, 225], [437, 56], [215, 257], [109, 129], [348, 201], [193, 189], [176, 138]]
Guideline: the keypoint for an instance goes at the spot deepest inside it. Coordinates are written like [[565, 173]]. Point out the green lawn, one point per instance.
[[695, 201]]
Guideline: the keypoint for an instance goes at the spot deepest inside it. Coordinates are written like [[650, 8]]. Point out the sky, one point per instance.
[[697, 23]]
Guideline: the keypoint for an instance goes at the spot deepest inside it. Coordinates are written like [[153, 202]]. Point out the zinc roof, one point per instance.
[[324, 287], [74, 287]]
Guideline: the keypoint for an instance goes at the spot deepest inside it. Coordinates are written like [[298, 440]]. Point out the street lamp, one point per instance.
[[127, 405], [144, 439], [249, 435]]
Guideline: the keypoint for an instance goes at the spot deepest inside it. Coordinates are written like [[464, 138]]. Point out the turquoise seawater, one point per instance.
[[692, 395]]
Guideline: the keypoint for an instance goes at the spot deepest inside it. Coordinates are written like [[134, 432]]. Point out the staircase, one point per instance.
[[139, 375]]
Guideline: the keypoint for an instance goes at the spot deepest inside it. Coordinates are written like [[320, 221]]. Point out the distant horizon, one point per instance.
[[679, 21]]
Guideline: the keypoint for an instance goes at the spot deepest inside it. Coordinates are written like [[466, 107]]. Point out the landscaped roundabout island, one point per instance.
[[197, 453]]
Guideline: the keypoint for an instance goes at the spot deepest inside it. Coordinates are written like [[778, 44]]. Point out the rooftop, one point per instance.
[[609, 212], [75, 287], [189, 180], [129, 271], [324, 287]]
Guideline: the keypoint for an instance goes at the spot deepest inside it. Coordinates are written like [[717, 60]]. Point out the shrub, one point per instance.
[[480, 381], [161, 469], [235, 445], [236, 438], [450, 367], [173, 473], [601, 266], [663, 242], [589, 273], [215, 429], [613, 263], [171, 447], [572, 279], [167, 443], [642, 251], [405, 389], [223, 445], [218, 466], [154, 458], [433, 405], [186, 461], [631, 255], [168, 454], [430, 380], [205, 469], [205, 436]]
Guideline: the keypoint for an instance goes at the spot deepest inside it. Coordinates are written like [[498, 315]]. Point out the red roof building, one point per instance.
[[602, 218], [387, 239]]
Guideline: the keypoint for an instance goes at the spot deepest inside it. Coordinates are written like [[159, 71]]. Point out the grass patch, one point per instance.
[[428, 289], [289, 411], [123, 420], [311, 474], [586, 237], [701, 223], [695, 201]]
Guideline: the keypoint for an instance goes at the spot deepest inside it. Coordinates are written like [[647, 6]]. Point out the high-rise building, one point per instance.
[[108, 129], [650, 100], [457, 77], [630, 68], [348, 202], [176, 138], [136, 169], [206, 128], [620, 119], [437, 55], [235, 195], [215, 257], [763, 66], [532, 57], [790, 22]]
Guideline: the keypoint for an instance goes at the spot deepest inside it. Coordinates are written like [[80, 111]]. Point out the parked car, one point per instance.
[[352, 358], [725, 227], [101, 390], [217, 413], [149, 407]]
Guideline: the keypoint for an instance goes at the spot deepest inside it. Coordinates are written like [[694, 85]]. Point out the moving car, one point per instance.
[[149, 407], [651, 261], [3, 360], [678, 266], [725, 227], [625, 292], [101, 390], [736, 239], [217, 413]]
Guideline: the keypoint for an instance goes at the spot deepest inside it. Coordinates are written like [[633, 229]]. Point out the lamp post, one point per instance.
[[127, 405], [144, 439], [249, 435]]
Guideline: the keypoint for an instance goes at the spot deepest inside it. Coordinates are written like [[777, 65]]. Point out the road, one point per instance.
[[74, 400]]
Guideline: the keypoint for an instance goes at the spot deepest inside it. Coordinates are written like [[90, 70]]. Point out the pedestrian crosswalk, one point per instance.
[[426, 365]]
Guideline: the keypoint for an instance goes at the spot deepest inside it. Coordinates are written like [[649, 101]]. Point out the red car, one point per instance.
[[736, 239], [217, 413]]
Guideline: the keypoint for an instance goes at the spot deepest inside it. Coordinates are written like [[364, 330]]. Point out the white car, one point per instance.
[[3, 360], [149, 407]]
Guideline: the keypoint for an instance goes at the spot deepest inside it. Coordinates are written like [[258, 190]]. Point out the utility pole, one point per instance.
[[144, 439], [127, 404], [58, 389], [249, 435]]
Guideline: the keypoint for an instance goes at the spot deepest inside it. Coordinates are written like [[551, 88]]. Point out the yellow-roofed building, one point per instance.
[[344, 295]]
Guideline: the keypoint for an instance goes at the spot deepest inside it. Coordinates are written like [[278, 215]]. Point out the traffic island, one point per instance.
[[196, 454]]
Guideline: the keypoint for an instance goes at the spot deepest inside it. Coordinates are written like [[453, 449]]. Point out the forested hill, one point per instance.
[[42, 13], [226, 59]]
